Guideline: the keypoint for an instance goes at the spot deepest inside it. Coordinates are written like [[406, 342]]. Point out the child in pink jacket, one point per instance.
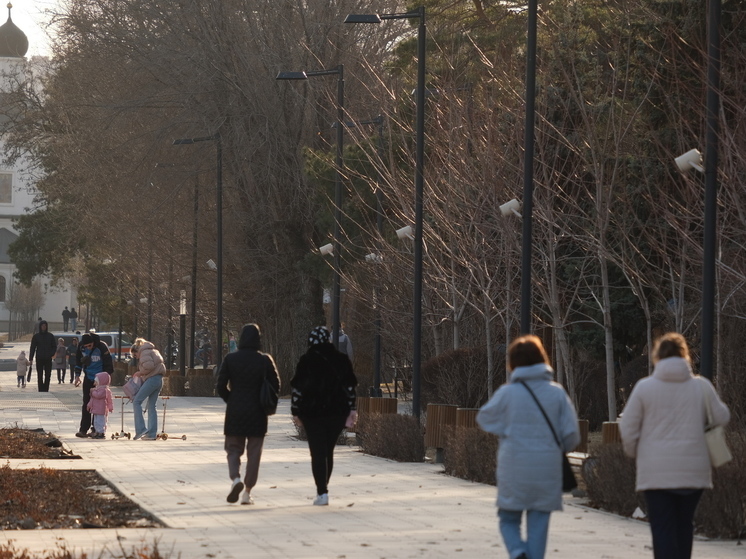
[[100, 404]]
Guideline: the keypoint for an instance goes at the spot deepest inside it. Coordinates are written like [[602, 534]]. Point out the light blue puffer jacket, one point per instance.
[[529, 462]]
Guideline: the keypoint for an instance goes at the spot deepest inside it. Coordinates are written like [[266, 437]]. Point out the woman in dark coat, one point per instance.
[[323, 402], [240, 379]]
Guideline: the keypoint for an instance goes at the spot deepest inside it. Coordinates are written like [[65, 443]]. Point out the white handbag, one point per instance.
[[715, 437]]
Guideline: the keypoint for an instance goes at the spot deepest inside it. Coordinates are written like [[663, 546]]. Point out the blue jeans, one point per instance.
[[671, 515], [537, 528], [149, 390]]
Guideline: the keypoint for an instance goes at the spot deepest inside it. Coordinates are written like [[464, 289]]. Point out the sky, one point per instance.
[[29, 16]]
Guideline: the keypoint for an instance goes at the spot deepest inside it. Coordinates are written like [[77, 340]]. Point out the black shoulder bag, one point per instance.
[[267, 395], [568, 476]]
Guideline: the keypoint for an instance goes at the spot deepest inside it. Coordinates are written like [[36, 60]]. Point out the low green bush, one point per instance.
[[393, 436], [470, 453]]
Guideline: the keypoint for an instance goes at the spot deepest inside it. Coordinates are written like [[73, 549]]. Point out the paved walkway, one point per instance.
[[378, 508]]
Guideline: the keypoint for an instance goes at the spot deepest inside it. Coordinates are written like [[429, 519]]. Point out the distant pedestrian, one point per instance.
[[240, 380], [60, 361], [73, 319], [323, 402], [65, 319], [529, 460], [92, 358], [232, 345], [72, 351], [345, 345], [150, 369], [43, 347], [100, 404], [22, 364], [663, 427]]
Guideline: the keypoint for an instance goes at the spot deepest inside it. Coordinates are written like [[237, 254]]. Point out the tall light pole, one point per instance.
[[336, 289], [528, 168], [711, 188], [419, 184], [219, 205]]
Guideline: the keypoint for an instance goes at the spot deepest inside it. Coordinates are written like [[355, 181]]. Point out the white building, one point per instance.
[[16, 195]]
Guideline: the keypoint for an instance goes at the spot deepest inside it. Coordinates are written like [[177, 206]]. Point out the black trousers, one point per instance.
[[671, 514], [43, 374], [322, 433], [86, 417]]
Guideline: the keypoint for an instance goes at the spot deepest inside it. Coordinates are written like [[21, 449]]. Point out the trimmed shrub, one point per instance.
[[457, 377], [609, 477], [394, 436], [470, 453]]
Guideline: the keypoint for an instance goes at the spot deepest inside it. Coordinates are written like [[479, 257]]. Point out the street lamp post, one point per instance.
[[528, 167], [336, 289], [711, 188], [419, 183], [219, 205], [182, 333]]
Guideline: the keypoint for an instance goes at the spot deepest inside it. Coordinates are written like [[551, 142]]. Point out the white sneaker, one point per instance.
[[236, 489], [321, 500], [247, 499]]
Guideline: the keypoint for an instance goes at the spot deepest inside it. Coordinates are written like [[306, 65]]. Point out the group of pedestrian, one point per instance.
[[69, 318], [663, 427], [323, 402]]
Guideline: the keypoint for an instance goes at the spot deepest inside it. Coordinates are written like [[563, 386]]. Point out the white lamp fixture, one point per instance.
[[405, 232], [327, 249], [211, 264], [692, 159], [374, 258], [511, 207]]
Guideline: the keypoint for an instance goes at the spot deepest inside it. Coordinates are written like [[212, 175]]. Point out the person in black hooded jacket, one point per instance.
[[240, 379], [323, 401], [44, 346]]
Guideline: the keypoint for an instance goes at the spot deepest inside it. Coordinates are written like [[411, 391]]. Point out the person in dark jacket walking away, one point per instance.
[[60, 361], [240, 380], [323, 402], [43, 346], [72, 352], [65, 319], [73, 319], [93, 357]]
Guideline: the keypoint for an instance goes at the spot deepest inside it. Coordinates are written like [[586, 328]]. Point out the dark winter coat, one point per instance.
[[239, 380], [324, 384], [91, 370], [43, 345]]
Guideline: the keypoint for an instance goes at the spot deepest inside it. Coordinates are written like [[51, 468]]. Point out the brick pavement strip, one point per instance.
[[378, 508]]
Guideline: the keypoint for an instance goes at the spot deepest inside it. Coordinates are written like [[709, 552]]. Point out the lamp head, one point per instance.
[[327, 249], [374, 258], [292, 76], [511, 207], [692, 159], [405, 232], [363, 18]]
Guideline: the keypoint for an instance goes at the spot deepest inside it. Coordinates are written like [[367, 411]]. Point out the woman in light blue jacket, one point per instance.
[[529, 461]]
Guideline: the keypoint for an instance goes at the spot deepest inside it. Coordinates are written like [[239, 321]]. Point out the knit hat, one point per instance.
[[86, 339], [319, 335]]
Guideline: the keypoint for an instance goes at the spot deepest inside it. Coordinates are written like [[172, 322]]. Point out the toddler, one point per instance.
[[22, 365], [100, 404]]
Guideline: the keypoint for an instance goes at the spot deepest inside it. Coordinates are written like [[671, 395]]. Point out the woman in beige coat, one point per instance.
[[150, 370], [663, 427]]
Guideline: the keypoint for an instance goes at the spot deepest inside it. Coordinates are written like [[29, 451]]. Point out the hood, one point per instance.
[[146, 345], [103, 379], [43, 323], [672, 369], [540, 371], [251, 337], [22, 355], [90, 337]]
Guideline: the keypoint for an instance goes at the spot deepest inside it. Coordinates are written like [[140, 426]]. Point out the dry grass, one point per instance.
[[47, 498]]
